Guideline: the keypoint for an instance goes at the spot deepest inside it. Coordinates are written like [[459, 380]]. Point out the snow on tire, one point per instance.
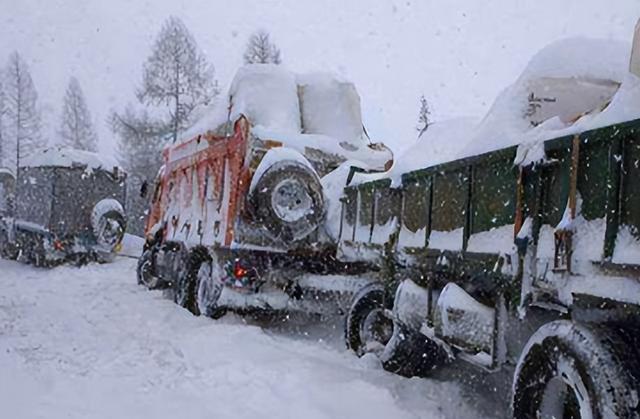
[[145, 270], [209, 288], [108, 223], [576, 370], [288, 201], [186, 284], [368, 326]]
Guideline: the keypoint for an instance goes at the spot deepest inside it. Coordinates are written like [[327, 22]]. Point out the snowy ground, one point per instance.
[[89, 343]]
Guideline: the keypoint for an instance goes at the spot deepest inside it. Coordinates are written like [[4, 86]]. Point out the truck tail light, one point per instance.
[[239, 271]]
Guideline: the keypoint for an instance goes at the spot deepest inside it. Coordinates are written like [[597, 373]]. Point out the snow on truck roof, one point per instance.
[[317, 111], [66, 157]]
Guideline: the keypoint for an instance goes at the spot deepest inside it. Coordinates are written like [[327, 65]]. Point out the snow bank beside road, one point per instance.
[[88, 343]]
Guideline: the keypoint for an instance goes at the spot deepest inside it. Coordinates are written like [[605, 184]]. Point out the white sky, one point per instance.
[[459, 53]]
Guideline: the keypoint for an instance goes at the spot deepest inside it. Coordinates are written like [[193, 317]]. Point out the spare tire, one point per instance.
[[108, 224], [288, 200]]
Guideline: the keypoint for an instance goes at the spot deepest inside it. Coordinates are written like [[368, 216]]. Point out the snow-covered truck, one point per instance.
[[241, 216], [512, 244], [67, 206]]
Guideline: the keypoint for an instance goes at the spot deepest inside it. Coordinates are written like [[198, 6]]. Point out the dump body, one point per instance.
[[198, 192]]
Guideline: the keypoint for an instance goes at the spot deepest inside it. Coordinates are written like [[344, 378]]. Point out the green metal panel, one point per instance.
[[556, 185], [416, 205], [351, 203], [365, 215], [387, 204], [592, 177], [630, 199], [613, 196], [449, 200], [493, 197]]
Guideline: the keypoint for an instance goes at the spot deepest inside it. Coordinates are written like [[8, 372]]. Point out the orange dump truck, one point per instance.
[[244, 210]]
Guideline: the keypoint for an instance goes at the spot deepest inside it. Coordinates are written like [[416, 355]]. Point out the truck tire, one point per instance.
[[209, 287], [368, 325], [8, 250], [146, 272], [410, 353], [108, 223], [288, 201], [186, 283], [576, 370]]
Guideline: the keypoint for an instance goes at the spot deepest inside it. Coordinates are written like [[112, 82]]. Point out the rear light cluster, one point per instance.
[[239, 271], [58, 245]]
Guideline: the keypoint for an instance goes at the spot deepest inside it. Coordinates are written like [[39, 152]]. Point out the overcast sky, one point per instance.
[[458, 53]]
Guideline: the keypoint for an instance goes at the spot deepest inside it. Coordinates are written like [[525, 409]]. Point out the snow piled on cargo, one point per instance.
[[570, 68], [586, 81], [330, 106], [305, 112], [267, 94], [443, 141], [210, 118], [67, 157]]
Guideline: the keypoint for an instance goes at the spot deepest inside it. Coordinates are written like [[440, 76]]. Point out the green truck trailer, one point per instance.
[[533, 266]]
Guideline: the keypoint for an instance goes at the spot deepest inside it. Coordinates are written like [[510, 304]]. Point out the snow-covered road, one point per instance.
[[89, 343]]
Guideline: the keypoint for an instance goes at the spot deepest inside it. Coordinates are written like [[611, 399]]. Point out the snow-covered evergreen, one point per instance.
[[141, 138], [177, 76], [76, 130], [3, 110], [260, 50], [22, 113], [424, 116]]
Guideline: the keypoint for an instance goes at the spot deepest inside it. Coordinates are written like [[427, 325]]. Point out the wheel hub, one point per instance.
[[290, 200], [376, 330], [565, 395]]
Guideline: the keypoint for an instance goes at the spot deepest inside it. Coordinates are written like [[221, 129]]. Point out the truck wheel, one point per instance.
[[288, 201], [410, 353], [185, 287], [570, 370], [8, 250], [108, 223], [146, 271], [368, 325], [209, 288]]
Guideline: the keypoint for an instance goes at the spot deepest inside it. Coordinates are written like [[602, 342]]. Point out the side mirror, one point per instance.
[[144, 188]]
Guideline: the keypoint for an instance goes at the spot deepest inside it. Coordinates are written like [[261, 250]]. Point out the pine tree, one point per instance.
[[177, 75], [424, 120], [260, 50], [22, 114], [3, 110], [76, 130], [139, 147]]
